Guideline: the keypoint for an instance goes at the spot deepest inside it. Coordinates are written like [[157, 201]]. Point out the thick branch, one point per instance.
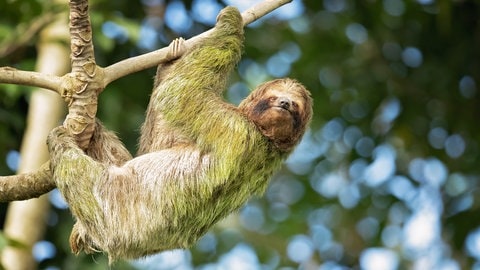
[[81, 44], [31, 78], [86, 82], [26, 186], [148, 60]]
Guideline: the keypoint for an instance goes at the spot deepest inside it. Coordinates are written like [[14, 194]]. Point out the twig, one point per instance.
[[31, 78]]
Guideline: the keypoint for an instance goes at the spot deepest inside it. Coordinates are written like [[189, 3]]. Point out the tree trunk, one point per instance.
[[26, 220]]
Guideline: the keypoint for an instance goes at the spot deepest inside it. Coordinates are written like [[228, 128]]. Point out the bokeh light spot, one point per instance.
[[13, 160], [378, 258], [205, 11], [367, 228], [435, 172], [115, 31], [437, 137], [356, 33], [330, 78], [332, 131], [177, 17], [382, 167], [420, 231], [412, 57], [365, 146], [472, 244], [300, 248], [467, 87], [394, 7], [240, 257], [391, 236], [455, 145], [252, 217], [335, 6], [43, 250]]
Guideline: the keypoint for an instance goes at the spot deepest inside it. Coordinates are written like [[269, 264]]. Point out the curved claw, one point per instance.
[[176, 48]]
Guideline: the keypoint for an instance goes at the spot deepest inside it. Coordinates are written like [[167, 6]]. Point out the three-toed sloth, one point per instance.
[[200, 157]]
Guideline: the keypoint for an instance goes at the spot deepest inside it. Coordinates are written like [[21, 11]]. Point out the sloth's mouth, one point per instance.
[[282, 109]]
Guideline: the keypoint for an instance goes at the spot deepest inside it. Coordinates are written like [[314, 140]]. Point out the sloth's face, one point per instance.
[[281, 109]]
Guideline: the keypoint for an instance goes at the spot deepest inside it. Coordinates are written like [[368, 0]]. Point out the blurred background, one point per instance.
[[388, 175]]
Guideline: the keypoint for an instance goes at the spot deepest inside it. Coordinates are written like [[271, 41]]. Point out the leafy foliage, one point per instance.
[[388, 174]]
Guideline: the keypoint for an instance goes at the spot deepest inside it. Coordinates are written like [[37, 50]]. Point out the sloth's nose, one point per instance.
[[284, 103]]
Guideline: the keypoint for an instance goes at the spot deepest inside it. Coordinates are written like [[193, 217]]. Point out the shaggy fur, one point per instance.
[[201, 158]]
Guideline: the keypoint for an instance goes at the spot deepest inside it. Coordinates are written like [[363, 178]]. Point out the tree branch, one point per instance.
[[26, 185], [148, 60], [85, 79], [31, 78], [261, 9]]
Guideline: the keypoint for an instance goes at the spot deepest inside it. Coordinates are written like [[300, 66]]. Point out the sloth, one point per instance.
[[200, 158]]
